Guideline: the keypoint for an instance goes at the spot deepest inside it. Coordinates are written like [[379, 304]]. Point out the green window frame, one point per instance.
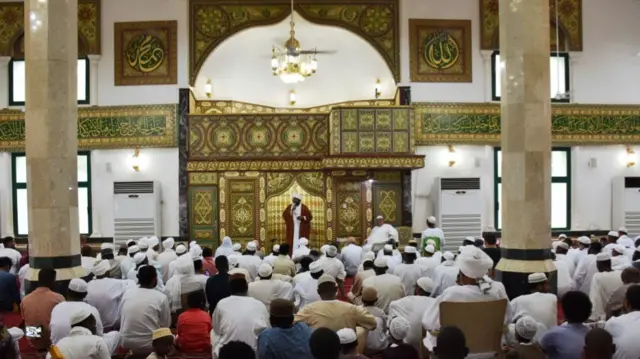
[[19, 194], [560, 188]]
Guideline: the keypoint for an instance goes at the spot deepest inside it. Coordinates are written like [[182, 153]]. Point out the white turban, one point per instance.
[[332, 251], [369, 256], [143, 243], [296, 196], [251, 246], [613, 234], [233, 261], [153, 241], [603, 256], [430, 249], [324, 248], [181, 249], [347, 336], [196, 253], [399, 328], [526, 327], [426, 284], [265, 270], [474, 262], [168, 243], [431, 220], [275, 248], [448, 256], [139, 258], [79, 314], [133, 249], [237, 247], [563, 245], [584, 240], [104, 246], [303, 241]]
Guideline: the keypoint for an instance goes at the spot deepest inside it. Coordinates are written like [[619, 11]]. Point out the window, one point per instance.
[[560, 188], [17, 82], [559, 74], [20, 204]]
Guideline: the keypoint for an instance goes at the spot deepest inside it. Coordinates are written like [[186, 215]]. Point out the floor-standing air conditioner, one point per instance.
[[458, 206], [625, 204], [136, 210]]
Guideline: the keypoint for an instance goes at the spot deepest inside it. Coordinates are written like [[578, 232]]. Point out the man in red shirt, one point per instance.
[[37, 306], [194, 326]]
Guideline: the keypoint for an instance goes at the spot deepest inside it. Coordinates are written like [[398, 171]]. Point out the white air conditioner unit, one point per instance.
[[625, 204], [136, 210], [458, 205]]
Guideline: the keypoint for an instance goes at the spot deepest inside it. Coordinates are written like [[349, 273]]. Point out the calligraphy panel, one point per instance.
[[348, 209], [104, 127], [203, 214], [387, 202], [242, 208], [146, 53], [440, 50]]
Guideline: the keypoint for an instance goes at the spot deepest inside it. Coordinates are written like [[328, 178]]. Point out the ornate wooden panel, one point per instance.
[[240, 207], [387, 202], [203, 214], [348, 207]]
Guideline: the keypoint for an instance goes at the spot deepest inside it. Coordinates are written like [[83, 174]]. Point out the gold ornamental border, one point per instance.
[[399, 162]]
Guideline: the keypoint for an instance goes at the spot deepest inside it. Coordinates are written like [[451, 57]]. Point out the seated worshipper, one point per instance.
[[303, 272], [451, 344], [126, 265], [525, 346], [182, 283], [624, 239], [334, 267], [275, 251], [540, 305], [82, 341], [234, 262], [629, 276], [582, 250], [382, 233], [194, 325], [433, 233], [237, 249], [624, 329], [561, 255], [603, 285], [349, 343], [388, 286], [267, 288], [586, 269], [491, 248], [238, 317], [368, 256], [392, 255], [154, 247], [217, 287], [619, 258], [414, 243], [412, 308], [142, 260], [445, 274], [87, 258], [22, 275], [181, 250], [398, 331], [611, 241], [351, 256], [302, 250], [143, 311], [325, 344], [409, 272], [429, 261], [143, 243], [236, 350], [226, 248], [60, 322], [36, 307], [566, 341], [166, 257], [162, 341], [9, 291], [377, 339], [198, 265], [282, 264], [209, 263], [306, 291], [367, 272], [106, 253], [331, 313], [564, 278], [473, 286], [9, 346], [284, 340], [250, 261], [598, 344], [105, 294], [8, 249]]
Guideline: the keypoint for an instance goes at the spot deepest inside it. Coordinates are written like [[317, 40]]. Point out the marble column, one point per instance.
[[51, 112], [94, 61], [526, 144]]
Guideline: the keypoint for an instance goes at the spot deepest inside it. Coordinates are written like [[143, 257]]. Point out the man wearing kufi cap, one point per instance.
[[433, 233], [577, 254], [564, 276], [167, 256], [297, 218], [587, 267], [624, 239], [365, 272], [429, 260], [399, 328], [561, 255], [267, 288], [282, 264], [82, 340], [603, 285], [334, 267], [154, 247], [413, 307], [394, 257], [250, 261], [306, 290], [377, 339], [351, 256], [285, 339], [349, 344], [141, 259], [473, 286], [619, 258], [409, 271], [302, 250], [526, 331], [181, 250], [388, 286], [105, 294], [540, 304], [445, 274], [275, 251], [382, 233]]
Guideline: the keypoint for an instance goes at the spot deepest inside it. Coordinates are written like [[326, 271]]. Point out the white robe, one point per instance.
[[445, 275], [164, 259], [82, 344], [143, 311], [429, 265], [382, 234], [238, 318], [300, 277], [620, 262], [106, 296], [543, 307], [87, 263], [16, 256], [411, 308], [225, 249], [409, 275], [295, 213], [432, 233], [577, 255], [126, 265], [584, 273], [333, 267], [626, 242], [300, 252], [352, 258], [22, 274], [625, 332], [267, 290], [250, 263], [570, 264], [306, 292], [389, 288], [564, 278], [603, 285]]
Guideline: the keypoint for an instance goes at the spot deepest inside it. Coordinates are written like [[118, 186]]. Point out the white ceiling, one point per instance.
[[240, 67]]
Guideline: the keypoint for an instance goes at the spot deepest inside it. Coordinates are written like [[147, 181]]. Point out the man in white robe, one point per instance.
[[382, 233], [8, 249], [474, 286], [388, 286], [603, 285], [181, 250], [564, 278], [586, 269], [562, 249], [619, 258], [540, 305], [612, 240], [275, 251], [412, 308], [445, 274], [624, 238], [351, 256], [154, 247], [432, 233], [306, 290], [429, 261], [237, 249], [392, 255], [624, 329], [225, 249], [184, 272], [105, 294], [82, 341], [166, 257], [409, 272], [302, 250], [577, 254], [250, 261], [267, 289], [128, 263], [234, 269], [141, 259]]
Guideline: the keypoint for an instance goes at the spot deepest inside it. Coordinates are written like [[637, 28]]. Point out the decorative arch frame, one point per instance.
[[213, 21]]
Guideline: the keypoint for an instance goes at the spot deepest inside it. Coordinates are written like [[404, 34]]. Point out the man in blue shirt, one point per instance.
[[9, 292], [284, 340], [567, 341]]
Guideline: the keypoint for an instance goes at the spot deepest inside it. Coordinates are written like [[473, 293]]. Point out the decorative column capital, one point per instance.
[[94, 59], [486, 54]]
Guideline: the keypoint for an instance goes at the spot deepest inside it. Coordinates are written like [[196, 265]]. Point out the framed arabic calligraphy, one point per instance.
[[146, 53], [440, 50]]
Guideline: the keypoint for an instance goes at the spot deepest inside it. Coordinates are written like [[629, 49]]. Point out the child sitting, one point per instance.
[[162, 343], [194, 325]]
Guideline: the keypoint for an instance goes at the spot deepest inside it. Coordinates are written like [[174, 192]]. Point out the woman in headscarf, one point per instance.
[[225, 249], [183, 271]]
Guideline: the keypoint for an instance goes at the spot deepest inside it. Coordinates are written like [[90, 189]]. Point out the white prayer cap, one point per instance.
[[196, 253], [379, 217], [526, 327], [431, 242], [369, 256], [431, 219], [276, 247], [303, 241], [332, 251], [399, 328], [387, 248], [474, 262], [537, 278], [251, 246], [430, 248], [324, 248], [470, 239], [107, 245], [133, 249], [426, 284], [562, 235], [410, 250], [584, 240], [619, 248], [563, 245], [448, 256], [380, 262], [613, 234], [326, 278], [194, 243], [168, 243], [101, 268], [233, 261], [603, 256], [78, 285], [153, 241], [622, 229], [237, 247], [131, 242], [315, 267], [265, 270], [296, 196], [139, 258], [79, 314], [143, 244], [347, 336], [181, 249]]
